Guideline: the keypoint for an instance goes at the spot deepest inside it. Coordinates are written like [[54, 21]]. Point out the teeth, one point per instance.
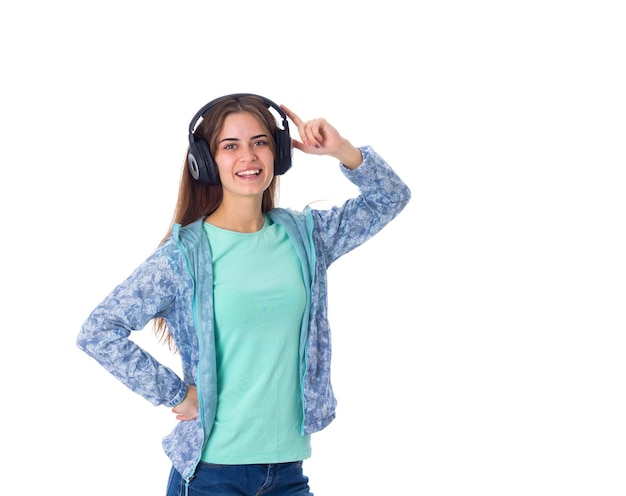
[[249, 173]]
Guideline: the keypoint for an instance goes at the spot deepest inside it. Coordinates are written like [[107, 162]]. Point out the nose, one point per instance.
[[248, 153]]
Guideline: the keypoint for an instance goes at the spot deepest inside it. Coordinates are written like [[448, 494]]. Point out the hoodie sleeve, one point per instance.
[[382, 196], [147, 293]]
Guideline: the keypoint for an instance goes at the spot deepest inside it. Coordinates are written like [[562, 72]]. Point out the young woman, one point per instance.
[[238, 287]]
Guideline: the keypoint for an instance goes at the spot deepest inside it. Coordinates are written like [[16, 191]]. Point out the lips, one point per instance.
[[248, 172]]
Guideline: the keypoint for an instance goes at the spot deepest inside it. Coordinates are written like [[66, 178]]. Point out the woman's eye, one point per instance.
[[229, 146], [260, 143]]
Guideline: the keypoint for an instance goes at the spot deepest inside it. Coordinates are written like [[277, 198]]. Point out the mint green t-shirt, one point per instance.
[[259, 300]]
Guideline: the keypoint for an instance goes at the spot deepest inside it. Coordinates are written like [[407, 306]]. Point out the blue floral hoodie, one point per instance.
[[176, 283]]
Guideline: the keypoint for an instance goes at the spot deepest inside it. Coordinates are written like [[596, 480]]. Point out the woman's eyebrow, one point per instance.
[[237, 139]]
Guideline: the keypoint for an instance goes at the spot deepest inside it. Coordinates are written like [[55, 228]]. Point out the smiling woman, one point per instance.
[[239, 288]]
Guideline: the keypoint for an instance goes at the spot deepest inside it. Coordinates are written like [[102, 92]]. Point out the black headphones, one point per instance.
[[201, 164]]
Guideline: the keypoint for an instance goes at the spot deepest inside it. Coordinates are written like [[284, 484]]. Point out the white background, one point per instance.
[[478, 340]]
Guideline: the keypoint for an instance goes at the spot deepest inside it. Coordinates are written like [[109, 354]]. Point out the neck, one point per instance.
[[237, 218]]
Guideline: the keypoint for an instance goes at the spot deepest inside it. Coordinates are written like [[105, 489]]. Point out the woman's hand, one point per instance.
[[320, 138], [188, 408]]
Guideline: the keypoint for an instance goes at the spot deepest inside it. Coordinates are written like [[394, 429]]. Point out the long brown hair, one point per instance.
[[196, 199]]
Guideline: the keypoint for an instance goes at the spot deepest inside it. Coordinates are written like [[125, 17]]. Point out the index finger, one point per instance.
[[294, 118]]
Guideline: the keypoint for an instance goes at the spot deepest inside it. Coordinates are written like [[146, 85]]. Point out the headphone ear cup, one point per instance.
[[200, 162], [282, 163]]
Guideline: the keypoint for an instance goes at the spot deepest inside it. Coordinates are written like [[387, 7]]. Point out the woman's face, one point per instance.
[[244, 156]]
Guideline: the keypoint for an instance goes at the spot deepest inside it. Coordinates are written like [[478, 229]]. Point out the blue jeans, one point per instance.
[[274, 479]]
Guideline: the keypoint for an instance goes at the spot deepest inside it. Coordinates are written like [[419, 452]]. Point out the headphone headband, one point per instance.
[[204, 110]]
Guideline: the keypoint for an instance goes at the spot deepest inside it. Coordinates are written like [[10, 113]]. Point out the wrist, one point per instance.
[[349, 155]]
